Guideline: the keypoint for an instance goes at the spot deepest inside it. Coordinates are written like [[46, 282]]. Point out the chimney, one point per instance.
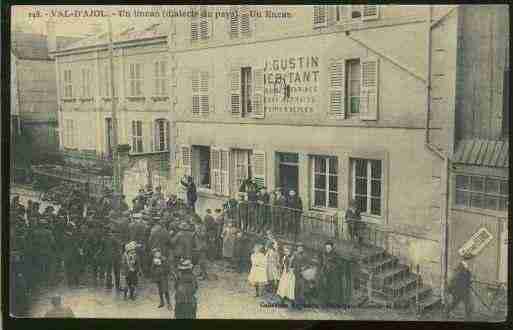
[[51, 37]]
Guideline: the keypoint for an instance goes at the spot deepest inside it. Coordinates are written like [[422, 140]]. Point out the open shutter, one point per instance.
[[369, 90], [215, 179], [195, 79], [320, 16], [259, 166], [204, 95], [204, 28], [186, 159], [195, 32], [337, 88], [370, 12], [245, 24], [258, 93], [224, 172], [156, 135], [131, 135], [234, 23], [343, 14], [235, 101], [147, 136], [211, 91], [167, 137]]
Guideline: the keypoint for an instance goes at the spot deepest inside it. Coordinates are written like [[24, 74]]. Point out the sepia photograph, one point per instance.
[[285, 162]]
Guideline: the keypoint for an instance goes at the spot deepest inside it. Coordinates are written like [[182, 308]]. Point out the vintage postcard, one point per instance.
[[318, 162]]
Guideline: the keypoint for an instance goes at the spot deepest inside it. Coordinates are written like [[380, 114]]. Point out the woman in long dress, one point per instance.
[[287, 283], [229, 237], [273, 265], [258, 274]]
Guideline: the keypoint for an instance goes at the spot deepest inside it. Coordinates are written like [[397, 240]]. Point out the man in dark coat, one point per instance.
[[211, 228], [279, 212], [112, 257], [264, 209], [353, 220], [335, 278], [299, 264], [72, 255], [201, 248], [295, 210], [43, 246], [185, 291], [459, 288], [160, 273], [160, 239], [191, 192], [183, 241]]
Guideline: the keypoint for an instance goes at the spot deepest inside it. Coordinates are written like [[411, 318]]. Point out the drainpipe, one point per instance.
[[445, 176]]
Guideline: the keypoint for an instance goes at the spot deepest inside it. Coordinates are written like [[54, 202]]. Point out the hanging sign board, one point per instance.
[[476, 243]]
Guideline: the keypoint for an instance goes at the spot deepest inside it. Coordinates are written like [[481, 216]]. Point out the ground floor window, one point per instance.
[[161, 135], [482, 192], [324, 178], [137, 137], [201, 166], [288, 172], [367, 184], [242, 166]]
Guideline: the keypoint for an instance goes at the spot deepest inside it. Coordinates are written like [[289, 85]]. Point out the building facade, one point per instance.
[[142, 101], [334, 102]]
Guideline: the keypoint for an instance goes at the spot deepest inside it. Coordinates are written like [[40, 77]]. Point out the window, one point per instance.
[[367, 184], [137, 137], [106, 83], [201, 166], [240, 23], [246, 91], [160, 71], [505, 105], [86, 82], [200, 92], [353, 75], [482, 192], [324, 178], [242, 166], [161, 135], [68, 84], [327, 15], [200, 26], [69, 134], [320, 16], [135, 79]]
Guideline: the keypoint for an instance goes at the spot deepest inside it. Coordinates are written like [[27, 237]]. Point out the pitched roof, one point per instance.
[[491, 153], [34, 46]]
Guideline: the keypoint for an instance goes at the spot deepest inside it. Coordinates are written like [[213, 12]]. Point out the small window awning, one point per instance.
[[491, 153]]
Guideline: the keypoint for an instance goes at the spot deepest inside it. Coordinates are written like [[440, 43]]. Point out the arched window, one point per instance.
[[161, 135]]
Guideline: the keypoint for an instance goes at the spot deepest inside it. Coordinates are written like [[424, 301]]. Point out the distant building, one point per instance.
[[33, 95], [141, 85]]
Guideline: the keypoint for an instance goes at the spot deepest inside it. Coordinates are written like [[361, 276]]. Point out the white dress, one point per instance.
[[287, 281], [273, 265], [258, 273]]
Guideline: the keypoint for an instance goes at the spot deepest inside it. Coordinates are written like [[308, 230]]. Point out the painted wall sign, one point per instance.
[[476, 243], [291, 84]]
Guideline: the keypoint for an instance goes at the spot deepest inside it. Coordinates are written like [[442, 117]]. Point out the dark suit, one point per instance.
[[459, 288]]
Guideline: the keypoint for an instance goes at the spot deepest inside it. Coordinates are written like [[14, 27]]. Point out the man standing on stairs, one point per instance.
[[459, 288]]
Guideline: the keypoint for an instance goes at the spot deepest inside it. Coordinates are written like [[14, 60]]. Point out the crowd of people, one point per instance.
[[105, 243]]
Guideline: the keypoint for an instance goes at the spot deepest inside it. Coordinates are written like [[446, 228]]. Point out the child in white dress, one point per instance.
[[258, 274], [287, 283]]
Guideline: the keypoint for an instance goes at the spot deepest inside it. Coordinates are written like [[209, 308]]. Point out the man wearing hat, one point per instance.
[[160, 273], [459, 287], [185, 291], [138, 233], [183, 241], [299, 264], [59, 311]]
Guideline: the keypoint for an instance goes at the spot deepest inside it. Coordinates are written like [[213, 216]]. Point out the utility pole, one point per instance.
[[116, 184]]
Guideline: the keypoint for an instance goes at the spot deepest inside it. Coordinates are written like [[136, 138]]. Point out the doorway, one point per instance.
[[288, 172]]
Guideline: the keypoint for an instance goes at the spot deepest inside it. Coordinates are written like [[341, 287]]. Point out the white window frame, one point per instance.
[[68, 84], [327, 175], [369, 179], [160, 86], [135, 82], [349, 96], [159, 134], [86, 82], [136, 139], [470, 191]]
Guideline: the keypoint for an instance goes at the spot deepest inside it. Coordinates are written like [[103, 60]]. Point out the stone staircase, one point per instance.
[[384, 281]]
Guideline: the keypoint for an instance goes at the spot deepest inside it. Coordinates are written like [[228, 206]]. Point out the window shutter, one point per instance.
[[344, 14], [195, 79], [234, 23], [245, 26], [211, 91], [156, 135], [370, 12], [131, 138], [369, 89], [147, 137], [331, 15], [204, 81], [186, 159], [337, 88], [194, 29], [167, 137], [224, 172], [215, 179], [204, 28], [259, 166], [258, 93], [235, 101], [320, 18]]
